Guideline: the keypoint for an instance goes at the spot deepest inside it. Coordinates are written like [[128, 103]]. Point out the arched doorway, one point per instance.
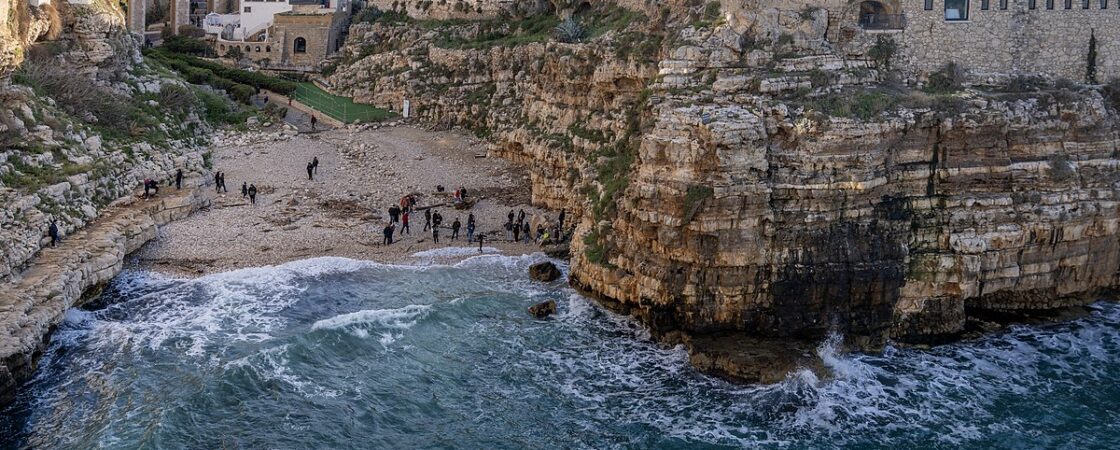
[[299, 45]]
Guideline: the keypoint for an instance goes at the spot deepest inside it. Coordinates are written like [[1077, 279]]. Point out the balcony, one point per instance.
[[881, 21]]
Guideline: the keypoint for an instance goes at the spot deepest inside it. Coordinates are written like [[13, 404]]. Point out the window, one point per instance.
[[246, 49], [258, 49], [1003, 4], [268, 48], [300, 45], [1069, 4], [248, 9], [1032, 4], [984, 5], [1084, 4], [929, 5], [1104, 4], [956, 10], [1049, 4]]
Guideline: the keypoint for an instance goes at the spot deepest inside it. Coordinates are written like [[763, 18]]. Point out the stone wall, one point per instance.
[[459, 9], [1017, 40]]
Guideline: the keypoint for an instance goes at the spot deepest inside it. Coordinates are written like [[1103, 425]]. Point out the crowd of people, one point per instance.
[[518, 227]]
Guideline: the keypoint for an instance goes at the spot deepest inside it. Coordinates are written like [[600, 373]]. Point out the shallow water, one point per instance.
[[335, 353]]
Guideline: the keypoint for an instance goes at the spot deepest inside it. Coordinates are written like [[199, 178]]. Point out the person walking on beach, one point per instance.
[[53, 232], [178, 179], [310, 172], [455, 229], [520, 215], [563, 213], [388, 232], [315, 164], [517, 232], [480, 238], [470, 231], [394, 214], [510, 216], [435, 234], [404, 223], [252, 194], [509, 228], [313, 122], [244, 189], [223, 182], [217, 182], [437, 219], [526, 232]]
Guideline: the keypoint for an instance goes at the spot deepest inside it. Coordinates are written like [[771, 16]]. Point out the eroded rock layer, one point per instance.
[[764, 167]]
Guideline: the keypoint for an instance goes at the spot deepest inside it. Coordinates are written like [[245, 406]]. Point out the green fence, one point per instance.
[[340, 108]]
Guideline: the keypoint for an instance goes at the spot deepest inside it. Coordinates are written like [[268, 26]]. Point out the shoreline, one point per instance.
[[58, 278], [343, 209]]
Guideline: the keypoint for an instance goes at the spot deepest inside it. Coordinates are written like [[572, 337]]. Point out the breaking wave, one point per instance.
[[338, 353]]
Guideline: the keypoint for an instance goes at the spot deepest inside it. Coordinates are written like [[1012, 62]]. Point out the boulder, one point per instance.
[[544, 309], [545, 271]]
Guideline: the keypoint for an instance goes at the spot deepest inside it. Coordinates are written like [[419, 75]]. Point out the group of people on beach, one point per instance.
[[518, 227]]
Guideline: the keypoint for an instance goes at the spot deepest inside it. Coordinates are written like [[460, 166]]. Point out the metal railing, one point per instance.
[[882, 21]]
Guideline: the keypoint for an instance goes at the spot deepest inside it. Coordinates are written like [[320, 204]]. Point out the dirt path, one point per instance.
[[343, 210]]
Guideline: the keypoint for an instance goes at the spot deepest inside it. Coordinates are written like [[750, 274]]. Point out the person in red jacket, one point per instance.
[[404, 223]]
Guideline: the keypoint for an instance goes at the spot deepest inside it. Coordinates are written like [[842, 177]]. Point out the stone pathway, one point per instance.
[[34, 302]]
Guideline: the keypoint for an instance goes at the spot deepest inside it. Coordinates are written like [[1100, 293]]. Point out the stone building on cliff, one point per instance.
[[989, 37], [281, 34]]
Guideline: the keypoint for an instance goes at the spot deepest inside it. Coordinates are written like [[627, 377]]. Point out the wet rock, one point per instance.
[[543, 309], [745, 359], [545, 271], [561, 251]]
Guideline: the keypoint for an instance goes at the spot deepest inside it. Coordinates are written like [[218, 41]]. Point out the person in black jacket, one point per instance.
[[53, 231]]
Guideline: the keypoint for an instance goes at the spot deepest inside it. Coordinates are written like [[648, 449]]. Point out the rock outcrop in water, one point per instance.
[[544, 271], [735, 172]]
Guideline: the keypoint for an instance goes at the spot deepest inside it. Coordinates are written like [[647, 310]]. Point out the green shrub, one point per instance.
[[694, 199], [184, 64], [570, 31], [187, 45], [177, 99], [80, 96], [882, 53], [242, 92], [946, 80]]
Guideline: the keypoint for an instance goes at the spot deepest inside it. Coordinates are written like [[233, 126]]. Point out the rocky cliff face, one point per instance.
[[732, 171], [82, 122]]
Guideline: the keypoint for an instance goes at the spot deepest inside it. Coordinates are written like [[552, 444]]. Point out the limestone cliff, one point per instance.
[[759, 167], [82, 122]]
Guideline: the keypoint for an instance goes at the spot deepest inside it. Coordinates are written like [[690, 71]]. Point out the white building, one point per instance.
[[251, 22]]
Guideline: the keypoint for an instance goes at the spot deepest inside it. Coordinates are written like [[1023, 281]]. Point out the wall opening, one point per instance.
[[300, 45], [956, 10]]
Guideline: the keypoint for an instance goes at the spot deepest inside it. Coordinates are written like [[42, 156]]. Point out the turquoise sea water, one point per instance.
[[335, 353]]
